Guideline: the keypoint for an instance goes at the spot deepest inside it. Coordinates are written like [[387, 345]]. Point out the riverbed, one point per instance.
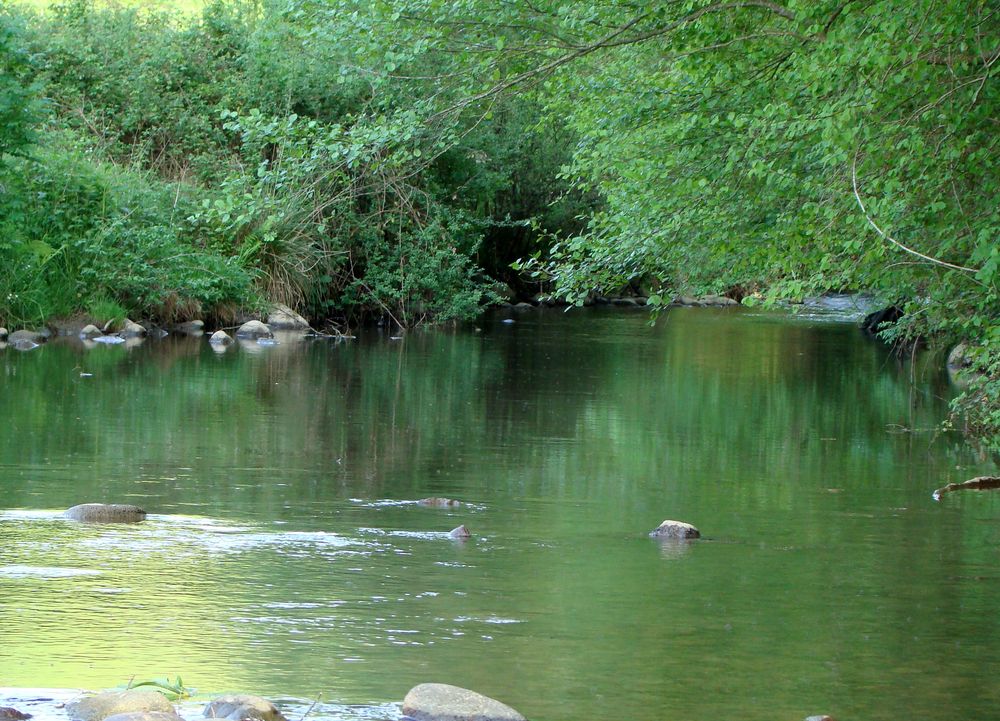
[[285, 554]]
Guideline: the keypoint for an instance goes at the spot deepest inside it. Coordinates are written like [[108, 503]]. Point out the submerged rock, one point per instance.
[[443, 702], [282, 317], [243, 706], [460, 533], [26, 339], [675, 529], [112, 703], [435, 502], [106, 513], [254, 329], [191, 327], [12, 714], [220, 337]]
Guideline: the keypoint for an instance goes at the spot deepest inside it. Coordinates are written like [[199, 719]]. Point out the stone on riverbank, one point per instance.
[[282, 317], [12, 714], [90, 331], [675, 529], [220, 337], [443, 702], [243, 706], [106, 513], [131, 329], [145, 716], [254, 329], [112, 703], [26, 339], [460, 533], [191, 327]]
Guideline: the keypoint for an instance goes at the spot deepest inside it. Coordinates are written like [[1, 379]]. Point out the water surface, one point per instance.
[[284, 554]]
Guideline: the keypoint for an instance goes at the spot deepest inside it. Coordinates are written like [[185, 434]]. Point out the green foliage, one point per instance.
[[174, 690], [18, 106]]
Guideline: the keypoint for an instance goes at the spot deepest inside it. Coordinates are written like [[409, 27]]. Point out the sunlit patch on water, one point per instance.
[[488, 619], [17, 571]]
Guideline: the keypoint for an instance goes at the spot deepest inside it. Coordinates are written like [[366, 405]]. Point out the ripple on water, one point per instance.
[[18, 571]]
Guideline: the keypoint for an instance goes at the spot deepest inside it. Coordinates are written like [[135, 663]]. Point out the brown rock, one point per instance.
[[243, 706], [112, 703], [107, 513], [460, 533], [435, 502], [12, 714], [443, 702]]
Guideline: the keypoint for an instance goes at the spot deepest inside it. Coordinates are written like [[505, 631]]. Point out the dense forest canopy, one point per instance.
[[350, 157]]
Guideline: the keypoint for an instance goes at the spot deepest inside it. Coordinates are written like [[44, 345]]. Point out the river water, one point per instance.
[[285, 556]]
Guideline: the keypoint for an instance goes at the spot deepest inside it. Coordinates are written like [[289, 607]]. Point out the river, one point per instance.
[[284, 554]]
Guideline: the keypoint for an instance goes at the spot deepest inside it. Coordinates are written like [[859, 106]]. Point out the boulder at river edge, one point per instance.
[[26, 339], [254, 329], [282, 317], [145, 716], [131, 329], [110, 703], [675, 529], [220, 337], [12, 714], [243, 706], [443, 702], [106, 513], [90, 331]]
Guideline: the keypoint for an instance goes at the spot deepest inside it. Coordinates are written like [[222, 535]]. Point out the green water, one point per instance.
[[284, 555]]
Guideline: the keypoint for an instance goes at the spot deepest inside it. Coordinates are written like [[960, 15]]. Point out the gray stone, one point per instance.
[[145, 716], [823, 717], [282, 317], [220, 337], [107, 513], [718, 301], [26, 339], [685, 300], [254, 329], [90, 331], [443, 702], [675, 529], [435, 502], [959, 358], [3, 334], [191, 327], [460, 533], [243, 706], [12, 714], [131, 329], [111, 703]]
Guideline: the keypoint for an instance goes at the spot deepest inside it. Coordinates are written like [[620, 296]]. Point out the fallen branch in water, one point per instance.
[[981, 483]]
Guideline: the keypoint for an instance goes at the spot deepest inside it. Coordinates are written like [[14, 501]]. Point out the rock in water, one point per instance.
[[12, 714], [675, 529], [282, 317], [254, 329], [107, 513], [145, 716], [443, 702], [111, 703], [131, 329], [90, 331], [461, 533], [435, 502], [243, 706], [220, 337]]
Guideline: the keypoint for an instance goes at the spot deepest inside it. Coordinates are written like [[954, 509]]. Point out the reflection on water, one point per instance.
[[285, 553]]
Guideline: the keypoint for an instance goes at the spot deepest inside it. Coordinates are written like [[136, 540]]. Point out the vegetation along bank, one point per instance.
[[415, 161]]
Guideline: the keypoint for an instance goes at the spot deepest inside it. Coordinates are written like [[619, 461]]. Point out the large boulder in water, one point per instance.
[[106, 513], [111, 703], [243, 706], [443, 702], [220, 337], [281, 317], [254, 329], [675, 530], [12, 714]]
